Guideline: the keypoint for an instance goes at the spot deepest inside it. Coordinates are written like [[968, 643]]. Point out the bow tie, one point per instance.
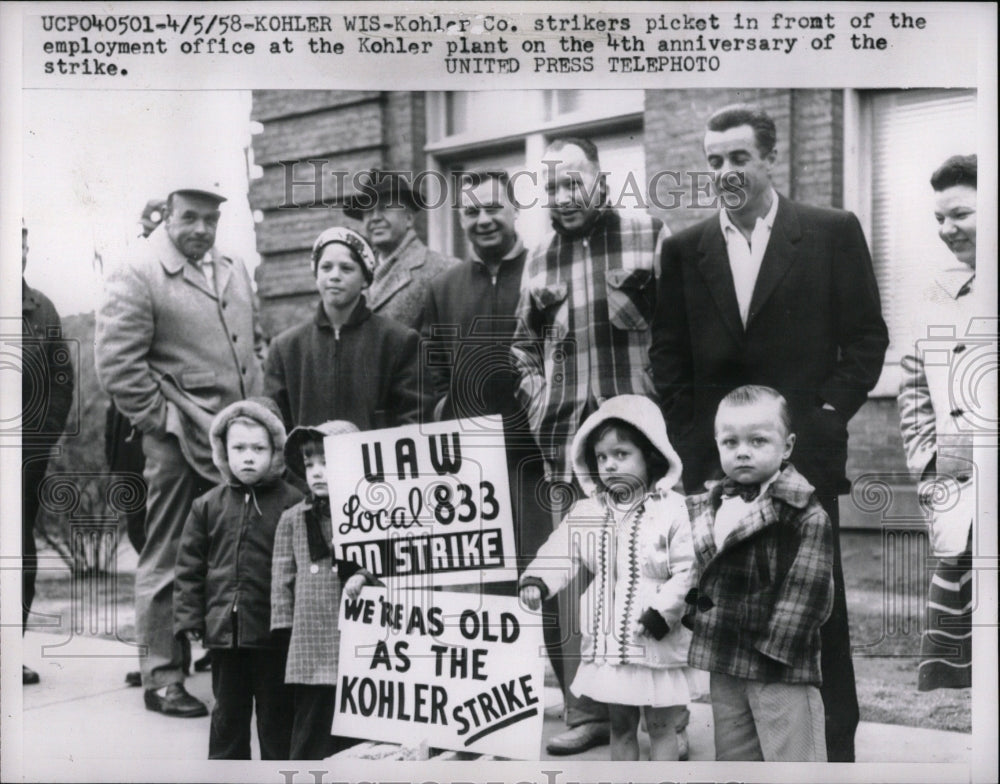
[[731, 488]]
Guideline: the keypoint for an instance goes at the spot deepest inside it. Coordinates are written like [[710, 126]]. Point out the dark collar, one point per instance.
[[789, 486], [360, 314], [266, 483], [28, 299]]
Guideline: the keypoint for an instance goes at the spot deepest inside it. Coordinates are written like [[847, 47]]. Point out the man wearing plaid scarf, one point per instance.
[[583, 336]]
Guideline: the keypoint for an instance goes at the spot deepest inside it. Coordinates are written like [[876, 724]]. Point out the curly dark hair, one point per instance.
[[657, 464]]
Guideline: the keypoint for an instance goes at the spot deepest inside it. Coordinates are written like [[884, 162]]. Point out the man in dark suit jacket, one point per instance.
[[782, 294]]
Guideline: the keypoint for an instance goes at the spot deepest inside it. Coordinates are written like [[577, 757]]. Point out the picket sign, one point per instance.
[[463, 671], [424, 507], [429, 504]]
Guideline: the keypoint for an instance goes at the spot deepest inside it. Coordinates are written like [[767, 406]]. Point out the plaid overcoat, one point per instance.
[[760, 600]]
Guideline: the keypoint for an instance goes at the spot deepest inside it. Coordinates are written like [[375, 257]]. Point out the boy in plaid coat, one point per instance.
[[764, 587], [307, 585]]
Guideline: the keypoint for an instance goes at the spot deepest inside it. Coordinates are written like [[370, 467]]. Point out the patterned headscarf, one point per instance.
[[357, 244]]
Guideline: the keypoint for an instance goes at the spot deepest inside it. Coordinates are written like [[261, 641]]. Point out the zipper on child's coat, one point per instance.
[[247, 496]]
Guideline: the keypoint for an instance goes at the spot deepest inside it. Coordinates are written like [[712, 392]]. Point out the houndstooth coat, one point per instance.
[[305, 597]]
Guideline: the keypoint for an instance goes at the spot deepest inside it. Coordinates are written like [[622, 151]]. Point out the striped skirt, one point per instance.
[[946, 644]]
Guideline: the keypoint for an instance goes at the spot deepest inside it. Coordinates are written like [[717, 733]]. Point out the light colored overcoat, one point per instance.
[[172, 351]]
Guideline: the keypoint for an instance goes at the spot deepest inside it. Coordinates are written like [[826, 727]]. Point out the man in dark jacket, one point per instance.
[[782, 294], [47, 383], [468, 325], [347, 362]]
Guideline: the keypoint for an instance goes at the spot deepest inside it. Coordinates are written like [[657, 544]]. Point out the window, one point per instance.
[[904, 136], [509, 129]]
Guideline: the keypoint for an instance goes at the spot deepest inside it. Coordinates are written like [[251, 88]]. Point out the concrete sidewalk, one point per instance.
[[83, 711]]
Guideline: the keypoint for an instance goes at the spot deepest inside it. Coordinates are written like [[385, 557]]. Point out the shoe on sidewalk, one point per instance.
[[28, 676], [580, 738], [133, 678], [175, 702]]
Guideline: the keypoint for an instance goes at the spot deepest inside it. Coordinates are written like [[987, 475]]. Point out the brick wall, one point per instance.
[[339, 131], [809, 166]]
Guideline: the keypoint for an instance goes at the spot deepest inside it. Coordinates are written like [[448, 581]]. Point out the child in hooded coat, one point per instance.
[[222, 582], [632, 533], [307, 586]]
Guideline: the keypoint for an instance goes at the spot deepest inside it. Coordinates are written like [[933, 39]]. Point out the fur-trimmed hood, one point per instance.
[[643, 414], [259, 409]]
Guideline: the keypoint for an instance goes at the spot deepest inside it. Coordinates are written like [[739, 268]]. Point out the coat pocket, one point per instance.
[[630, 298], [951, 508], [551, 301], [198, 379]]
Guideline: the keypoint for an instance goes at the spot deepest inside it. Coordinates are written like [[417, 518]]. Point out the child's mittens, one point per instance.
[[653, 624], [533, 591], [354, 584], [656, 559]]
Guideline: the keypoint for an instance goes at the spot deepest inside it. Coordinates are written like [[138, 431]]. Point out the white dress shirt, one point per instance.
[[745, 257]]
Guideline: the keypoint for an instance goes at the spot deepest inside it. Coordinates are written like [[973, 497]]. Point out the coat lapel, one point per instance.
[[410, 257], [196, 278], [778, 257], [714, 267], [700, 513], [173, 261]]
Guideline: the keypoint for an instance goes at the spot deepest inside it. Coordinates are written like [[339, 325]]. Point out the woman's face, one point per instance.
[[955, 212]]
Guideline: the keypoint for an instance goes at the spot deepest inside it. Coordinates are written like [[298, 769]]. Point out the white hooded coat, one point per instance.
[[640, 553]]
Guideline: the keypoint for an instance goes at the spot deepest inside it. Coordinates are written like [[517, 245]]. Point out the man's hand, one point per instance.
[[531, 597], [353, 586], [192, 635]]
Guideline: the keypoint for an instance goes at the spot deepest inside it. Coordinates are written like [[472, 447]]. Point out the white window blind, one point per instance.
[[913, 132]]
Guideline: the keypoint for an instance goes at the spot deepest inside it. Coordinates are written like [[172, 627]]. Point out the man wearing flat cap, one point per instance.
[[388, 206], [177, 341]]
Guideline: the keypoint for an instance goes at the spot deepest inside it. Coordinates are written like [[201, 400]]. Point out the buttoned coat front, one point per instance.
[[942, 418], [172, 351], [305, 597], [761, 598], [47, 390]]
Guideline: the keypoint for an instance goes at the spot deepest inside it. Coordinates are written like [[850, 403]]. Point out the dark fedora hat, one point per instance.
[[386, 188]]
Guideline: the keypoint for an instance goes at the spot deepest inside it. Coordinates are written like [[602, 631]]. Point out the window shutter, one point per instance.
[[913, 132]]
